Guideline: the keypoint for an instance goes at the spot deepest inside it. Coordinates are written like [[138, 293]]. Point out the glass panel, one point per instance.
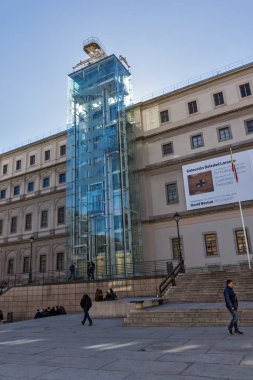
[[100, 158]]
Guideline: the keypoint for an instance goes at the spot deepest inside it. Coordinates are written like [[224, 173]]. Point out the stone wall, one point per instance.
[[23, 301]]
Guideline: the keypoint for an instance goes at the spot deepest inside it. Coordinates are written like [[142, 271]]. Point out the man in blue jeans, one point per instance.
[[232, 306]]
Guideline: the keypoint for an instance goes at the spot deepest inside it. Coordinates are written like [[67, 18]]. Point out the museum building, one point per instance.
[[107, 189]]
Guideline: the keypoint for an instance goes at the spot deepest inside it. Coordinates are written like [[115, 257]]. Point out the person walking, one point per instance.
[[86, 304], [72, 270], [90, 270], [232, 306]]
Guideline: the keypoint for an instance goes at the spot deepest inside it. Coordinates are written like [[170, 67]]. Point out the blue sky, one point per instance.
[[165, 42]]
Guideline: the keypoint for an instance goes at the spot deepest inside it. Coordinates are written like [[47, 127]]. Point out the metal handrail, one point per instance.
[[158, 268], [171, 278]]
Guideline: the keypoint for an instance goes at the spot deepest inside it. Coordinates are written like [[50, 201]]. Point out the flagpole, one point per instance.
[[241, 213]]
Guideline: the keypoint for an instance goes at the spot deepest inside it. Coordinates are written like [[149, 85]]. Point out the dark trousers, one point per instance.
[[234, 320], [72, 275], [86, 315]]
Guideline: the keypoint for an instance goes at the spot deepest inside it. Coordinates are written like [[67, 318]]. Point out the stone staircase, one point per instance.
[[197, 300], [208, 287]]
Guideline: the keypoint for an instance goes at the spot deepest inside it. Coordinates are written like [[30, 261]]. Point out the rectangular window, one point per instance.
[[46, 182], [62, 177], [47, 155], [62, 150], [44, 219], [3, 194], [197, 141], [14, 221], [61, 215], [167, 148], [211, 244], [26, 265], [249, 126], [60, 261], [192, 107], [18, 164], [240, 241], [172, 193], [1, 227], [11, 266], [224, 133], [5, 169], [32, 160], [245, 90], [43, 263], [164, 116], [30, 187], [177, 248], [16, 190], [28, 222], [218, 99]]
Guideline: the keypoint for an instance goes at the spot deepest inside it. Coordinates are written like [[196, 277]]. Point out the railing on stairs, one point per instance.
[[171, 278]]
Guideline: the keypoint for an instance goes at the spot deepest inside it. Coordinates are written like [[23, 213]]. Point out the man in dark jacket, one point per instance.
[[86, 305], [232, 306]]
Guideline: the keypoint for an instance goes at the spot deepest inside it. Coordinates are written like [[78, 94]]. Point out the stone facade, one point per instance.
[[32, 203], [167, 120]]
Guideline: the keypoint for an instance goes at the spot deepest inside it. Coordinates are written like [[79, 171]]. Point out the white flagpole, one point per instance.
[[242, 217]]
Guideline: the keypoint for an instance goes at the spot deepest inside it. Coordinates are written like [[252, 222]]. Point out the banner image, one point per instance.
[[211, 183]]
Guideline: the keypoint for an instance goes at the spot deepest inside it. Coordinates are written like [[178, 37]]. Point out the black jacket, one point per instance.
[[230, 298], [86, 303]]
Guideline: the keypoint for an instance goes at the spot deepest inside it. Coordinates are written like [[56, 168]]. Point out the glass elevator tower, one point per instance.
[[103, 223]]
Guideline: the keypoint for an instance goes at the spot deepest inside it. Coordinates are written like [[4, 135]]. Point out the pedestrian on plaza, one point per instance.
[[86, 304], [90, 270], [1, 316], [232, 306], [72, 270]]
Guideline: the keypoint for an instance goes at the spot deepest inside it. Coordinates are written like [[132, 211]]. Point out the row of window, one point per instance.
[[31, 186], [197, 141], [218, 99], [32, 159], [29, 221], [211, 244], [42, 263]]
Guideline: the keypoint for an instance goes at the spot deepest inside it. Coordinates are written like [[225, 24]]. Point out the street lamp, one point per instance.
[[31, 254], [177, 217]]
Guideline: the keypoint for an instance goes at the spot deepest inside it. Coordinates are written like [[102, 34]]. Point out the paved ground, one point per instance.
[[61, 348]]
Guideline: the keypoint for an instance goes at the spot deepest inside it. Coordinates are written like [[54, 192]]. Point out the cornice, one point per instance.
[[32, 172], [36, 241], [173, 163], [32, 199], [197, 124], [198, 213]]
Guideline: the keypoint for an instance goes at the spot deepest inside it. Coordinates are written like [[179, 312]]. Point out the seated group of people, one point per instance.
[[109, 296], [50, 312]]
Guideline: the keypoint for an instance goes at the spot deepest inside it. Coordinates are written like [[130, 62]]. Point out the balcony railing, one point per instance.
[[158, 268]]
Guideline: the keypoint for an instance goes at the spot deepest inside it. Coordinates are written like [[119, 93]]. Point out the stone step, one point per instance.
[[185, 324], [186, 318]]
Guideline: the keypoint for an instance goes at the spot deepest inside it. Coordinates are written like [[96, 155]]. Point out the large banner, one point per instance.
[[211, 183]]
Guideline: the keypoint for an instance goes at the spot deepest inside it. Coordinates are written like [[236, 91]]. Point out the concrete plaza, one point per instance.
[[61, 348]]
